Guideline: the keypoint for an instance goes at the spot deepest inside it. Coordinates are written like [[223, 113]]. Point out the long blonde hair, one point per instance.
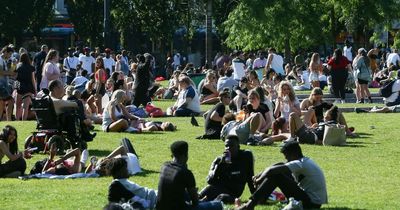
[[50, 56], [292, 95], [117, 97]]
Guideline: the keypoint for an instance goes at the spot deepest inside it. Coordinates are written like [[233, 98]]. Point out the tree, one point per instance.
[[14, 19], [87, 17], [42, 15], [284, 24]]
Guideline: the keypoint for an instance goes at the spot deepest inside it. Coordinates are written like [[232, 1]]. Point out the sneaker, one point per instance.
[[342, 101], [252, 141]]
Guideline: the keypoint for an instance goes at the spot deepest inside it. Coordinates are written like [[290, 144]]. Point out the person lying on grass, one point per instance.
[[305, 134], [101, 167], [300, 178], [123, 190], [68, 164]]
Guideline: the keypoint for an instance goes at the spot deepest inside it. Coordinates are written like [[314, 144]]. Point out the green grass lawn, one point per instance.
[[361, 175]]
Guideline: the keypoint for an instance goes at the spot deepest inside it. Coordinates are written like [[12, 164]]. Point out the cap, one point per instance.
[[86, 49], [107, 50]]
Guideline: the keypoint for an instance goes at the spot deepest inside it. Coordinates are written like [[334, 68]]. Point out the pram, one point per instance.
[[66, 125]]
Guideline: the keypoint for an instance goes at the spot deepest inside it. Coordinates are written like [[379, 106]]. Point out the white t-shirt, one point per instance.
[[87, 62], [238, 69], [108, 63], [310, 178], [392, 58], [71, 62], [347, 53], [277, 63], [395, 92], [79, 80], [259, 63]]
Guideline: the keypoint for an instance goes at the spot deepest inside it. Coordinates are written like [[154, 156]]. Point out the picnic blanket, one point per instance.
[[52, 176]]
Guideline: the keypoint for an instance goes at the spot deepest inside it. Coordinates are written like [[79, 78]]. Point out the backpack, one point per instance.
[[386, 89]]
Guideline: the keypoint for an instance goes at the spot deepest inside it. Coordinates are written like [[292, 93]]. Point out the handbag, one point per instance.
[[334, 135]]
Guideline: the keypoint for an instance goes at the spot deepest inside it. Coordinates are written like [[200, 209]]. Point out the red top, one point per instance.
[[343, 62], [100, 76]]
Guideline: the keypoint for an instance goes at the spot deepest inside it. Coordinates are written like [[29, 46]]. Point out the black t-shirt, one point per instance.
[[212, 126], [38, 60], [117, 192], [244, 91], [24, 77], [175, 179], [319, 110], [262, 109], [234, 176]]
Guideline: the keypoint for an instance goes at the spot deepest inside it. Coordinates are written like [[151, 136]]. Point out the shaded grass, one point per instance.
[[362, 175]]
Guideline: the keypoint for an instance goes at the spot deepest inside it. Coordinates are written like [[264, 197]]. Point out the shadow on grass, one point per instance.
[[339, 208], [145, 172], [363, 135], [99, 153]]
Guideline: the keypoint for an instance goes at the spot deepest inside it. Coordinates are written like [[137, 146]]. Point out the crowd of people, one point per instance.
[[254, 100]]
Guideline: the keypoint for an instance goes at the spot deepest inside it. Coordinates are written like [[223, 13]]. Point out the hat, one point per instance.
[[86, 49], [107, 50], [361, 50]]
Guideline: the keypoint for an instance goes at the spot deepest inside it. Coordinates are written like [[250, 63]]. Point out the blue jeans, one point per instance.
[[208, 205]]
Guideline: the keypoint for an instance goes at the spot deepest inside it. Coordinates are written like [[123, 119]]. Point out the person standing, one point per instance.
[[362, 75], [87, 61], [339, 67], [6, 100], [50, 70], [27, 87], [275, 62], [109, 62], [238, 66], [38, 63], [70, 65], [177, 186]]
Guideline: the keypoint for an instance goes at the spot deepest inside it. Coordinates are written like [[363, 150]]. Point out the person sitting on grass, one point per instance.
[[256, 122], [229, 173], [115, 116], [16, 164], [123, 190], [286, 103], [209, 93], [317, 106], [305, 134], [394, 98], [188, 102], [239, 95], [213, 117], [300, 178], [177, 186]]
